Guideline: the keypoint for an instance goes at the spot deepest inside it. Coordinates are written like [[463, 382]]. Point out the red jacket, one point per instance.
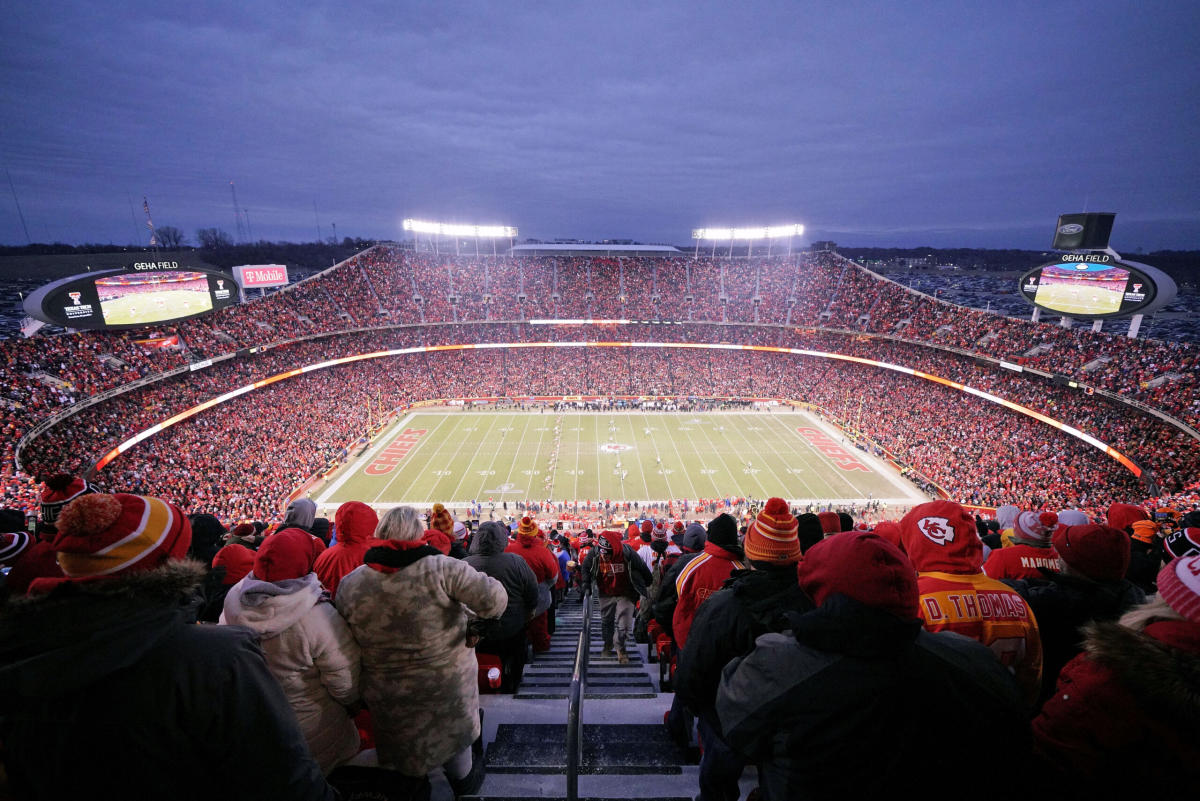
[[1125, 712], [1020, 562], [700, 577], [355, 523], [539, 558]]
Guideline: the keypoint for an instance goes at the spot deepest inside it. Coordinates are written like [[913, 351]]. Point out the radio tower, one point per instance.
[[150, 224], [237, 216]]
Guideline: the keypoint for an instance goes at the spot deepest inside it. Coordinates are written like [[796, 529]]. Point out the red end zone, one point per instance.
[[839, 455], [395, 452]]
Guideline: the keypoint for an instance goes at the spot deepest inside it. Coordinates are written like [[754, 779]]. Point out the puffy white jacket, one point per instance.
[[311, 651]]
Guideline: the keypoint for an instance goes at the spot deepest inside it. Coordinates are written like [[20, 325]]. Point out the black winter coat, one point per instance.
[[854, 701], [1063, 604], [488, 556], [752, 603], [108, 690]]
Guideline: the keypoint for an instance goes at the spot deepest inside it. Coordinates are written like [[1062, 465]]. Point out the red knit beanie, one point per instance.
[[108, 535], [12, 545], [60, 490], [238, 560], [862, 566], [890, 531], [1035, 526], [286, 554], [1179, 586], [438, 539], [1098, 552], [772, 535], [830, 522]]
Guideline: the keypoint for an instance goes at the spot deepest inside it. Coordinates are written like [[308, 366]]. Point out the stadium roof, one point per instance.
[[579, 249]]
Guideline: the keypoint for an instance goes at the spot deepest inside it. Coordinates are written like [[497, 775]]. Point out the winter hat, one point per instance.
[[442, 520], [1184, 543], [660, 534], [647, 527], [355, 522], [60, 490], [609, 542], [809, 530], [1179, 586], [940, 536], [1098, 552], [12, 545], [890, 531], [1124, 515], [109, 535], [772, 536], [286, 554], [244, 531], [1035, 526], [207, 532], [862, 566], [527, 530], [460, 530], [1072, 517], [300, 514], [238, 560], [438, 539], [1144, 531], [677, 527], [830, 522], [723, 531], [847, 522]]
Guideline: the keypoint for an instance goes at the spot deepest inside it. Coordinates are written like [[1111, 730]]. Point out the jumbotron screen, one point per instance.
[[1097, 288], [140, 298], [143, 294]]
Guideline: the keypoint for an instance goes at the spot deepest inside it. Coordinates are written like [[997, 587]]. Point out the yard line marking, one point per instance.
[[467, 469], [400, 469], [808, 490], [833, 468]]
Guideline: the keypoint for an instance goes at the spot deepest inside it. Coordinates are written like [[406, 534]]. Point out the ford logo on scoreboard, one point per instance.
[[145, 293]]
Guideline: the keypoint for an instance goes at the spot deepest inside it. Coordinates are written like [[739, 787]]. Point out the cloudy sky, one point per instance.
[[947, 124]]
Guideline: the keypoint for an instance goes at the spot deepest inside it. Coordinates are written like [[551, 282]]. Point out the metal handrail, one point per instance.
[[575, 700]]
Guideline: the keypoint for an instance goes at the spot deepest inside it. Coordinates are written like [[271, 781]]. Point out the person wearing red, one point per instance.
[[1030, 553], [355, 523], [706, 573], [1125, 711], [620, 579], [532, 548], [941, 539]]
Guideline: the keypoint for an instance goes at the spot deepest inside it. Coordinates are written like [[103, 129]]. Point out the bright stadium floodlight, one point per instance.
[[769, 232], [452, 229]]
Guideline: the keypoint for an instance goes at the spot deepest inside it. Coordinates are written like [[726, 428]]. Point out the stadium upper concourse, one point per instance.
[[75, 398]]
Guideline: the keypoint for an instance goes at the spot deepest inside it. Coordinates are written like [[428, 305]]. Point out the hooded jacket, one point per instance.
[[700, 578], [355, 523], [638, 573], [852, 697], [310, 650], [107, 690], [1063, 604], [1125, 713], [692, 541], [943, 544], [488, 556]]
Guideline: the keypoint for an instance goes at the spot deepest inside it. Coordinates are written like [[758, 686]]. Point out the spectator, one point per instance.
[[355, 523], [1125, 710], [858, 675], [1089, 585], [941, 540], [506, 639], [307, 644], [1030, 552], [531, 547], [620, 578], [106, 657], [407, 608]]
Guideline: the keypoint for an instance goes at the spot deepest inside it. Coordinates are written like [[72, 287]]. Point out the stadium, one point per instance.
[[575, 392]]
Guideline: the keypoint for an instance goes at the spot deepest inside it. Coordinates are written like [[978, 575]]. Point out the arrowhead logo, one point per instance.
[[936, 529]]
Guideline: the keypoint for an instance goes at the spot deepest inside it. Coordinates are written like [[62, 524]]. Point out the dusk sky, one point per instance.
[[944, 124]]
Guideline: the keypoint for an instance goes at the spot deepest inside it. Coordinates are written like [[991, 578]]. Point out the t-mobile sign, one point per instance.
[[258, 276]]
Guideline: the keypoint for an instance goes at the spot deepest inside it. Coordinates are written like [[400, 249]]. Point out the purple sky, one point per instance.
[[946, 124]]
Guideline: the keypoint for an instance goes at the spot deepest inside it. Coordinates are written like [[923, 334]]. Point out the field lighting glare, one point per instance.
[[769, 232], [451, 229]]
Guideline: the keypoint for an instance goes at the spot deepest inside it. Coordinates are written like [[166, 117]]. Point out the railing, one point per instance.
[[575, 700]]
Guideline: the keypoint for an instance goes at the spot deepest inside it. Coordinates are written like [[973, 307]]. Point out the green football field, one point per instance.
[[458, 457], [149, 307]]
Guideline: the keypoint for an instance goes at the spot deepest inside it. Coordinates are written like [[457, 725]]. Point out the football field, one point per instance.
[[459, 457]]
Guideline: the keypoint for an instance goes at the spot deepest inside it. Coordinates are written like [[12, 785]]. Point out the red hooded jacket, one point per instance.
[[355, 522]]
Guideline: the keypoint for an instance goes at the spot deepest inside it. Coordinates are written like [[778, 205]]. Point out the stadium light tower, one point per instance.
[[768, 232], [476, 232]]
